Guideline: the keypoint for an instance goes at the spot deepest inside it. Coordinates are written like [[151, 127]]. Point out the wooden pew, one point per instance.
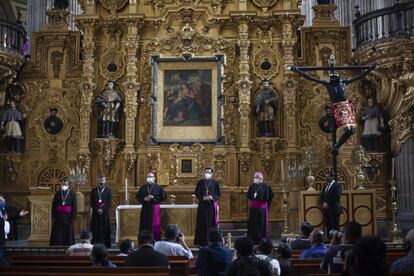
[[179, 265], [84, 271], [302, 267]]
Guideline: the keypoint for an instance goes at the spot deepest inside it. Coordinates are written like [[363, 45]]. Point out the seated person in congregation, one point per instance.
[[246, 263], [126, 247], [146, 255], [265, 252], [174, 243], [406, 264], [302, 242], [283, 255], [335, 257], [83, 248], [99, 256], [214, 258], [318, 249], [368, 258]]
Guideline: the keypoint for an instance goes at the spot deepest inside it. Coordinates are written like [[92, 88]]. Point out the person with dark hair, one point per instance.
[[12, 216], [126, 247], [150, 195], [318, 249], [302, 242], [146, 255], [335, 257], [83, 248], [246, 263], [214, 258], [406, 264], [208, 193], [368, 258], [174, 243], [330, 199], [99, 256], [100, 201], [265, 251], [283, 255], [260, 196], [63, 215]]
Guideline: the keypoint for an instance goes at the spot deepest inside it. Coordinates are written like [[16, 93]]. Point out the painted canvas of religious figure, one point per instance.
[[187, 98]]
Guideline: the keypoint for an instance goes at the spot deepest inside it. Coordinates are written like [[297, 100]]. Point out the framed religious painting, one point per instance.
[[187, 99]]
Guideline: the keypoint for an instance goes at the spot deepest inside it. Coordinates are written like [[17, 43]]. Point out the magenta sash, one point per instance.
[[261, 205], [100, 205], [216, 215], [156, 225], [64, 208]]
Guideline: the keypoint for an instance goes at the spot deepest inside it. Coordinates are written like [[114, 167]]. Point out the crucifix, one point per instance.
[[342, 110]]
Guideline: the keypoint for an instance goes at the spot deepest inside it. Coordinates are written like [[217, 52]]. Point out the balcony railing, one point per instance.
[[384, 24], [12, 36]]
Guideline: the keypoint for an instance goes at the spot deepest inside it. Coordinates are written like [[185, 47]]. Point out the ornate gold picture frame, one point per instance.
[[186, 166], [187, 99]]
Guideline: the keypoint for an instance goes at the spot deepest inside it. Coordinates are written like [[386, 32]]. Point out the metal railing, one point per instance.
[[384, 24], [12, 36]]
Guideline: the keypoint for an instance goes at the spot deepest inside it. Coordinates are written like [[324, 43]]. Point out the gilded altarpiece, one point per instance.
[[68, 70]]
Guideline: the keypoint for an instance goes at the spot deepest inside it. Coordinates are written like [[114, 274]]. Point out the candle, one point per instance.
[[282, 170], [392, 168], [126, 190]]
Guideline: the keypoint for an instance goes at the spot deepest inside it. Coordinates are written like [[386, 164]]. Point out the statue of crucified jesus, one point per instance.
[[342, 109]]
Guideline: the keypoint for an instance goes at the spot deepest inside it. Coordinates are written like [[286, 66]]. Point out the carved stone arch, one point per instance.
[[342, 177], [51, 176]]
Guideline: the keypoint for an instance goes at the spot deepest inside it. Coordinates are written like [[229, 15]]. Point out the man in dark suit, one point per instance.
[[214, 258], [331, 202], [146, 255]]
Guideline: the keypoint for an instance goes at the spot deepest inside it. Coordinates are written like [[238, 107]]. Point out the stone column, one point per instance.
[[131, 87], [404, 164], [289, 84], [244, 84], [36, 16], [86, 90]]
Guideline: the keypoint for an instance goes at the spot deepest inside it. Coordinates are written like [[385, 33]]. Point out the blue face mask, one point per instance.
[[2, 204]]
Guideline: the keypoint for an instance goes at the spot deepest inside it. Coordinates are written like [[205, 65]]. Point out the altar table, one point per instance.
[[183, 215]]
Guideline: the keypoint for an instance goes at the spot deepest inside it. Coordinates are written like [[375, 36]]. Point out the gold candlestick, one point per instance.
[[395, 232]]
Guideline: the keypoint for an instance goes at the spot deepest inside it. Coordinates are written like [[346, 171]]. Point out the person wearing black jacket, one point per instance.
[[2, 235], [330, 199], [12, 216]]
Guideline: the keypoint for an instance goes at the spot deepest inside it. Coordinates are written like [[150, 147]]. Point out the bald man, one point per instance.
[[260, 197]]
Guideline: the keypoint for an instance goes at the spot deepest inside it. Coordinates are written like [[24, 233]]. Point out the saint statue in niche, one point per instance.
[[11, 128], [108, 103], [265, 104], [373, 121], [53, 124]]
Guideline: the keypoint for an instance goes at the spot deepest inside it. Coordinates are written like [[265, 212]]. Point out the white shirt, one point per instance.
[[6, 228], [330, 185], [80, 249], [172, 249], [273, 263]]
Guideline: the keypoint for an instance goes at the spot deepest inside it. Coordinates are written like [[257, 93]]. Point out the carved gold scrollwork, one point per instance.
[[109, 149], [130, 158], [113, 5], [265, 59]]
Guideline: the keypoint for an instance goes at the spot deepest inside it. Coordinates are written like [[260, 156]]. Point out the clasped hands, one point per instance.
[[207, 198], [148, 197], [325, 205]]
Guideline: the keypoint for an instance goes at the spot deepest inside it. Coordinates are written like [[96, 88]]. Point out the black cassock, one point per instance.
[[258, 211], [63, 215], [150, 212], [100, 224], [207, 211]]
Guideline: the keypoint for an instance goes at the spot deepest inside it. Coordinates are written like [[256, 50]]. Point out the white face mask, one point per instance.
[[257, 180], [150, 179], [207, 175], [65, 188]]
